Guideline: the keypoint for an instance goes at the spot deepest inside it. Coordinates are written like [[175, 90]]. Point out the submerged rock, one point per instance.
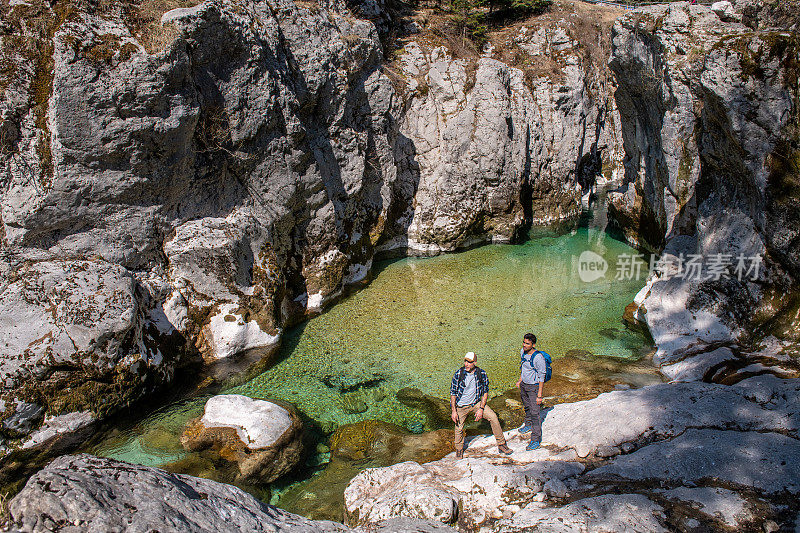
[[436, 409], [263, 439], [385, 443]]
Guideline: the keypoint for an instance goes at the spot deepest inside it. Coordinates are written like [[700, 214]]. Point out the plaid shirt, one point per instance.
[[481, 383]]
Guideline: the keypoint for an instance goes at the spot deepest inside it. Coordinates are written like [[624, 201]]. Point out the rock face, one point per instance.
[[262, 438], [708, 111], [90, 493]]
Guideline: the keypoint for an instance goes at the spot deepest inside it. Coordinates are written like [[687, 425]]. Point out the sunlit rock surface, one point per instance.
[[639, 440], [620, 512]]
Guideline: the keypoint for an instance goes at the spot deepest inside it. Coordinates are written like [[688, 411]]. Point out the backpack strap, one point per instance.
[[523, 354]]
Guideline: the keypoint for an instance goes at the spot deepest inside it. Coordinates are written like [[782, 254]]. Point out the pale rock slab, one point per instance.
[[718, 503], [762, 461], [629, 513], [694, 368], [665, 410]]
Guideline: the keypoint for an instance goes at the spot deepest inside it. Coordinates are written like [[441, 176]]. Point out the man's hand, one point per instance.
[[539, 400], [519, 381], [454, 416], [479, 414]]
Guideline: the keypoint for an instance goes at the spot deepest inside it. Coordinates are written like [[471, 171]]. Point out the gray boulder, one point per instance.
[[87, 493], [76, 337]]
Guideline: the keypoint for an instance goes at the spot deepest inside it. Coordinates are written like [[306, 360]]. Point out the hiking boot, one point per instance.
[[505, 449], [525, 428], [533, 445], [459, 454]]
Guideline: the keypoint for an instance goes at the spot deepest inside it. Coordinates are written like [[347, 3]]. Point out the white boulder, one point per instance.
[[258, 423]]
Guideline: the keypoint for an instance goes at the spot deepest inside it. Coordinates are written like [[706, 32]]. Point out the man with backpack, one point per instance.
[[534, 371], [469, 392]]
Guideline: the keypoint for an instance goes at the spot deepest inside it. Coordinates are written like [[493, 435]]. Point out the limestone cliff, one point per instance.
[[709, 113]]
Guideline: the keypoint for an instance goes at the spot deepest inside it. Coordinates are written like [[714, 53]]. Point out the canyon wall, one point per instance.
[[709, 113]]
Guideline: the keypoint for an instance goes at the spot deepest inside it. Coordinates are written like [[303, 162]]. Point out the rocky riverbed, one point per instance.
[[662, 458]]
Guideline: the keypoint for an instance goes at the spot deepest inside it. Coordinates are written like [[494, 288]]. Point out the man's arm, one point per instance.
[[453, 413], [541, 370], [481, 405]]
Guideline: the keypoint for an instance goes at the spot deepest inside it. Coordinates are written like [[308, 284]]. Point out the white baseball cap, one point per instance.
[[470, 357]]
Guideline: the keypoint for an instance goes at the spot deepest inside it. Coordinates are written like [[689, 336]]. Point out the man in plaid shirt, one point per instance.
[[469, 392]]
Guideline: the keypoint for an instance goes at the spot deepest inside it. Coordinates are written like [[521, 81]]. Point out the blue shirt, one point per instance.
[[459, 378], [532, 367]]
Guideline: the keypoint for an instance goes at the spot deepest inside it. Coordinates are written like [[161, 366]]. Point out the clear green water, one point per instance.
[[411, 326]]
